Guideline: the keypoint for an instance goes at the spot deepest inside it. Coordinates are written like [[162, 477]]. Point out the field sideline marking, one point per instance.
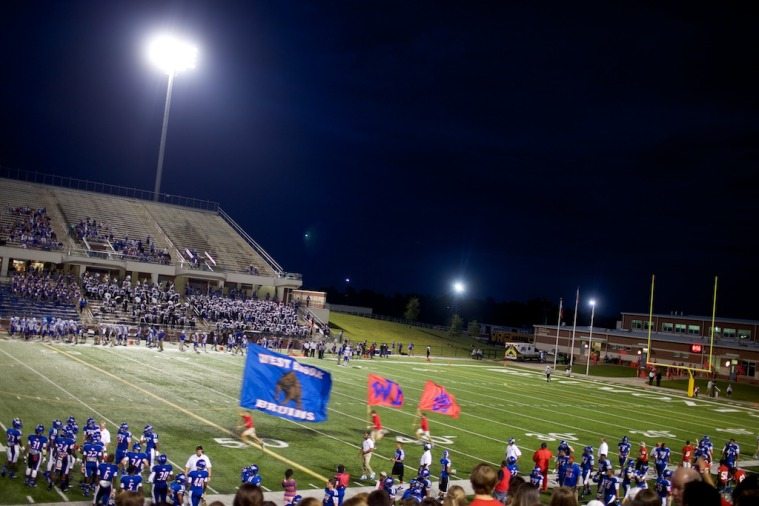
[[190, 413]]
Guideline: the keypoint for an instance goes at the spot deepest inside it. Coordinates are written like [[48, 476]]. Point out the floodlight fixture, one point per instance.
[[458, 287], [171, 55]]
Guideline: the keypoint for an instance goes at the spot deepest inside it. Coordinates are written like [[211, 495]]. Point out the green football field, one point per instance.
[[191, 399]]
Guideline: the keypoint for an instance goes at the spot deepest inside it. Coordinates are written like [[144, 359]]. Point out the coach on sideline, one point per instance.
[[193, 460]]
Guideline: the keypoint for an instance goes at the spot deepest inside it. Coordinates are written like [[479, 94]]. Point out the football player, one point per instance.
[[664, 487], [661, 458], [150, 440], [13, 449], [123, 440], [197, 481], [131, 482], [250, 475], [607, 487], [562, 462], [107, 473], [445, 472], [160, 474], [92, 456], [177, 490], [624, 451], [64, 460], [536, 477], [588, 460], [136, 460], [55, 428], [35, 446]]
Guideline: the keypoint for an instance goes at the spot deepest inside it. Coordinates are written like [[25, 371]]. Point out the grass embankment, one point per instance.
[[360, 328]]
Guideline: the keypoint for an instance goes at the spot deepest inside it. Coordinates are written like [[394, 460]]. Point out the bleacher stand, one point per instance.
[[233, 314], [31, 228]]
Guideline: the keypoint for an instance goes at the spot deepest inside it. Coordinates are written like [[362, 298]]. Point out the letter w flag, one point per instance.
[[436, 399], [383, 392]]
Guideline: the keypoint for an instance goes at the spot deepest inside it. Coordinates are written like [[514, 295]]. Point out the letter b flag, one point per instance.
[[436, 399], [383, 392]]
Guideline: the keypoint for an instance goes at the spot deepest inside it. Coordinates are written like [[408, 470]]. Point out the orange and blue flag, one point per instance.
[[383, 392], [435, 398]]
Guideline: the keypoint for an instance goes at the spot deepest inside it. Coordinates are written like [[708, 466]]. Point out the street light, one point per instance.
[[590, 337], [170, 55], [458, 287]]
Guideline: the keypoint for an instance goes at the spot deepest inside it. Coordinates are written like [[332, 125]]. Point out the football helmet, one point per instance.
[[39, 429], [201, 464], [17, 424], [137, 447], [162, 459]]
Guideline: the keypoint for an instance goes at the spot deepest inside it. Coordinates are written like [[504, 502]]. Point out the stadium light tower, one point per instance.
[[458, 287], [170, 55], [590, 337]]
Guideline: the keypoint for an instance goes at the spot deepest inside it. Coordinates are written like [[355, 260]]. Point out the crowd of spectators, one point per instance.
[[32, 229], [45, 286], [143, 251], [143, 303], [231, 315]]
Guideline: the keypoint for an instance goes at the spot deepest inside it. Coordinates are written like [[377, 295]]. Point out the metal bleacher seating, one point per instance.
[[14, 194], [11, 305]]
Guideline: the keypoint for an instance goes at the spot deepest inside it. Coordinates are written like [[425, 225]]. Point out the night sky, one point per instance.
[[526, 148]]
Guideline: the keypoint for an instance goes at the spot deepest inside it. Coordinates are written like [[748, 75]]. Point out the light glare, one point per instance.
[[459, 287], [172, 55]]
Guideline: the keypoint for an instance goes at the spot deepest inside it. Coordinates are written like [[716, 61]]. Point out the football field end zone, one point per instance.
[[187, 412]]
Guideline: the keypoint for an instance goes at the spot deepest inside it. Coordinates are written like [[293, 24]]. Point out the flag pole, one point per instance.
[[574, 330], [558, 326]]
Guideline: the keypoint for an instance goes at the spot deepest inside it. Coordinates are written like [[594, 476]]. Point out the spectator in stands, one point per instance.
[[483, 479]]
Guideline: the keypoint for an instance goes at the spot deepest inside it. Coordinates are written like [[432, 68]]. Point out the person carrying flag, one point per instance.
[[375, 428]]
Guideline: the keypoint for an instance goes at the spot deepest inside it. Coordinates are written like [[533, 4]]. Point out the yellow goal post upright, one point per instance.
[[689, 368]]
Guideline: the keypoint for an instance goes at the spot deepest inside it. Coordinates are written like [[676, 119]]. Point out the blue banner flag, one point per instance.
[[281, 386]]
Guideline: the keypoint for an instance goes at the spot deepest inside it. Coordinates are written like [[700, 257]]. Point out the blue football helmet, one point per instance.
[[17, 424], [68, 434], [71, 420], [148, 429], [201, 464], [625, 439], [162, 459], [667, 474], [136, 447], [424, 473], [445, 454], [39, 429], [57, 424], [253, 469], [96, 437], [124, 427], [589, 450], [180, 477]]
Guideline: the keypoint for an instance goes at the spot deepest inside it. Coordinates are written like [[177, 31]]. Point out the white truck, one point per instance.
[[522, 352]]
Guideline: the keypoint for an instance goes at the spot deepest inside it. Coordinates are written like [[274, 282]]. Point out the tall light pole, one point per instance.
[[169, 55], [590, 337]]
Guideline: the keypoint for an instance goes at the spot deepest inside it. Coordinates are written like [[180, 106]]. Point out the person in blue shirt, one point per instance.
[[536, 477], [55, 427], [641, 476], [565, 447], [511, 463], [562, 463], [136, 460], [159, 477], [150, 439], [35, 446], [604, 464], [330, 493], [123, 440], [588, 460], [13, 447], [627, 476], [92, 455], [415, 492], [107, 472], [661, 458], [177, 490], [250, 475], [572, 476], [64, 460], [197, 481], [607, 487], [423, 481], [445, 471], [624, 451], [387, 483], [664, 487], [131, 482]]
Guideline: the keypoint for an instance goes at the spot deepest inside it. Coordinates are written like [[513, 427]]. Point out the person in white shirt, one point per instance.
[[426, 459], [193, 460], [603, 448], [105, 435], [512, 450], [367, 448]]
